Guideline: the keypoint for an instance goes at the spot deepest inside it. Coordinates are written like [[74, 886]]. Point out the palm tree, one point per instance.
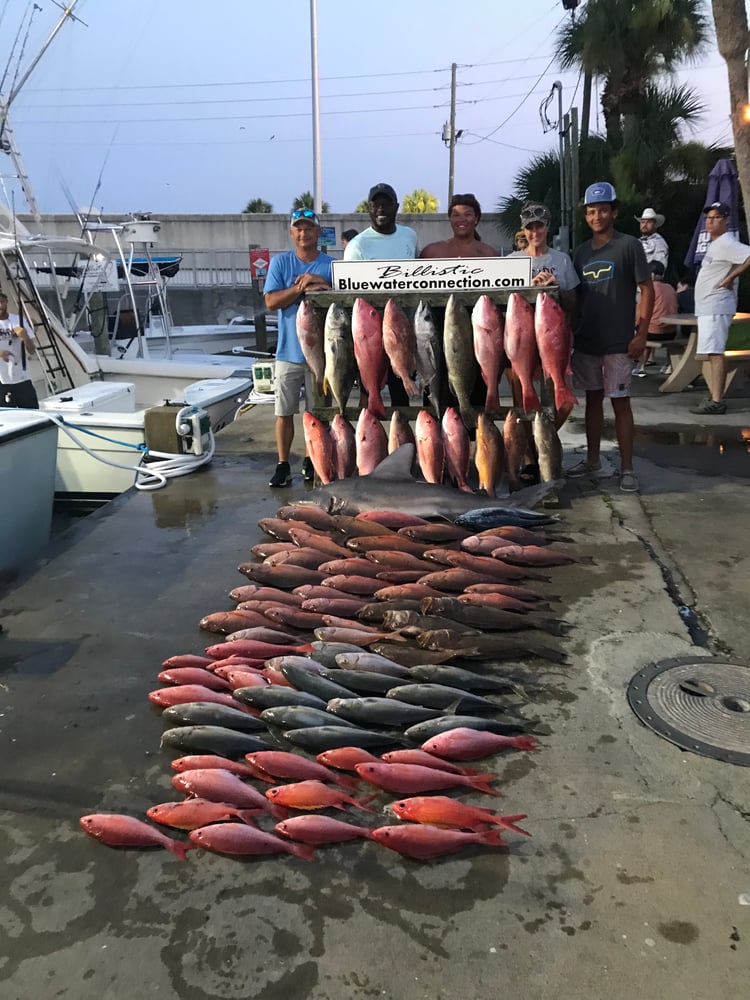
[[306, 200], [257, 206], [419, 202], [627, 43]]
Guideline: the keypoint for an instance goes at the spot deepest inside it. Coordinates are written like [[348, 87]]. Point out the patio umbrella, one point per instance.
[[722, 186]]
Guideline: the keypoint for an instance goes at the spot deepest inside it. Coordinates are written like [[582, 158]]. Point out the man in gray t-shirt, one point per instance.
[[606, 340]]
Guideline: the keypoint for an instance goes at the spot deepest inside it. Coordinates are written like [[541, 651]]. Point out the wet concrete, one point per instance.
[[629, 886]]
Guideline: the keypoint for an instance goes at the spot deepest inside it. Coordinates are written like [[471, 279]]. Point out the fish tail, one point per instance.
[[564, 397], [301, 851], [493, 837], [376, 406], [345, 781], [179, 849], [247, 816], [530, 399], [278, 811], [509, 823], [364, 803], [468, 415], [525, 742], [482, 783], [492, 402]]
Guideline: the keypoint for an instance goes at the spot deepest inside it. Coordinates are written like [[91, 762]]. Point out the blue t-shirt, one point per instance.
[[282, 272]]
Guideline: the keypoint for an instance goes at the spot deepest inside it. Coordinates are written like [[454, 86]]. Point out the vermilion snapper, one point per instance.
[[410, 778], [472, 744], [234, 838], [116, 830], [193, 813], [441, 810], [313, 795], [425, 842], [321, 830]]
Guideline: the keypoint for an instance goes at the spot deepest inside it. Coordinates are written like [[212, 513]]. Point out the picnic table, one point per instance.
[[685, 363]]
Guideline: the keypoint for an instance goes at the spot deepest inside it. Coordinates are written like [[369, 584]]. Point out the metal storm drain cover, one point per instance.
[[698, 703]]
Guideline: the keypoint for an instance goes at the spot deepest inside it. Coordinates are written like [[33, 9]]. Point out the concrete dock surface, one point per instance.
[[632, 885]]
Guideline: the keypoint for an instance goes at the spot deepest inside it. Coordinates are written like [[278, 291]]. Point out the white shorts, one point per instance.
[[610, 372], [712, 333], [289, 377]]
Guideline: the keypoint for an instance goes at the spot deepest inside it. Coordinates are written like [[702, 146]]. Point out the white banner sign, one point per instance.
[[466, 274]]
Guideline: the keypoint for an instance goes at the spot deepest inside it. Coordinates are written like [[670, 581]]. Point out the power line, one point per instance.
[[518, 106]]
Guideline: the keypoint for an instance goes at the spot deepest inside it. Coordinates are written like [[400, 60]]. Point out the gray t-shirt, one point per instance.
[[609, 277], [555, 261]]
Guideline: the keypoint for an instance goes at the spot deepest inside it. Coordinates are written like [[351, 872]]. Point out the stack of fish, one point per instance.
[[380, 632], [536, 342]]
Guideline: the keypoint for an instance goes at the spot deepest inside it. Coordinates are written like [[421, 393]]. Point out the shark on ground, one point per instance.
[[391, 486]]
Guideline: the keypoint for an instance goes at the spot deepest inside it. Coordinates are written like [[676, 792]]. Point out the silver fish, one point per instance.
[[429, 355], [548, 447], [458, 345], [339, 356]]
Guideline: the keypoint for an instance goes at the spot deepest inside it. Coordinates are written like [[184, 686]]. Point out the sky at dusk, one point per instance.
[[196, 107]]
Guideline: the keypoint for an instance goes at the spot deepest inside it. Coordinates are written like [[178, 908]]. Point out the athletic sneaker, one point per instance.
[[710, 407], [639, 372], [282, 476], [583, 468], [308, 472], [628, 482]]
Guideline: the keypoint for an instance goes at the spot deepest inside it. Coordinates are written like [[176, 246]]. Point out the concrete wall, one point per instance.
[[238, 232]]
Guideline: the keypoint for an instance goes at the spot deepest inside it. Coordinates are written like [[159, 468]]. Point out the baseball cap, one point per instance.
[[720, 207], [384, 191], [304, 215], [535, 212], [601, 191]]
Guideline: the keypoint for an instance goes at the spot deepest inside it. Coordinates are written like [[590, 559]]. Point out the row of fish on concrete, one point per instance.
[[355, 636], [528, 338]]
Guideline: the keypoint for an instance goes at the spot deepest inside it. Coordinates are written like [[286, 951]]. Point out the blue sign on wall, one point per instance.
[[327, 236]]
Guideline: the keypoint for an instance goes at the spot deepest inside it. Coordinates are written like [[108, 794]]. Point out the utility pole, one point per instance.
[[317, 162], [450, 136]]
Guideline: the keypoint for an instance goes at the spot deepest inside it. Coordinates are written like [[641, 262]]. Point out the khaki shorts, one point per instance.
[[610, 372], [289, 379], [712, 333]]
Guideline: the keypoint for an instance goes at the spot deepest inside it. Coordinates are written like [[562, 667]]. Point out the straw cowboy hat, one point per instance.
[[650, 215]]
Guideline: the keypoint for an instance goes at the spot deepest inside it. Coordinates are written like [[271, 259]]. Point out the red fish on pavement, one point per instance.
[[536, 555], [425, 842], [317, 830], [405, 779], [313, 795], [456, 447], [221, 786], [234, 838], [346, 758], [430, 447], [206, 761], [555, 342], [487, 326], [441, 810], [280, 764], [249, 647], [393, 519], [369, 352], [520, 346], [192, 813], [400, 343], [182, 694], [187, 660], [319, 446], [424, 759], [254, 592], [344, 447], [192, 675], [116, 830], [472, 744]]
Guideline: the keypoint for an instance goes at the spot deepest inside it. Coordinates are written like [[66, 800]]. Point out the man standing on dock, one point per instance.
[[716, 301], [290, 276], [16, 346]]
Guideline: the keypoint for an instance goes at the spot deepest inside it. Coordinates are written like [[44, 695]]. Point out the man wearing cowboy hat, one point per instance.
[[654, 246]]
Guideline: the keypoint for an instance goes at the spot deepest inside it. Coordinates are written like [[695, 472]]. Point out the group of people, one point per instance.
[[608, 291]]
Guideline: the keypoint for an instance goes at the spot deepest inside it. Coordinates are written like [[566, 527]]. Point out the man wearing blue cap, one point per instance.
[[608, 338], [290, 276], [716, 301]]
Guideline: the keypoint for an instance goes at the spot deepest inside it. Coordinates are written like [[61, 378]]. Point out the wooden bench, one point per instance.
[[687, 365]]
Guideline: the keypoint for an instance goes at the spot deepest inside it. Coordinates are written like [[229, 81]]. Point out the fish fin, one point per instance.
[[278, 811], [345, 781], [509, 823], [179, 848], [397, 465], [493, 838], [482, 783], [376, 406], [301, 851], [362, 803], [525, 743], [247, 816], [564, 397]]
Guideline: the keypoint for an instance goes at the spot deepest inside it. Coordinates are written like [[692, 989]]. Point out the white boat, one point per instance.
[[76, 388]]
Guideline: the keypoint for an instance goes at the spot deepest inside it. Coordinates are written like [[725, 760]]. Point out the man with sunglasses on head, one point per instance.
[[290, 276], [716, 300]]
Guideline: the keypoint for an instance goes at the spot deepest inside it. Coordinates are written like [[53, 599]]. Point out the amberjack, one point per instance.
[[391, 486]]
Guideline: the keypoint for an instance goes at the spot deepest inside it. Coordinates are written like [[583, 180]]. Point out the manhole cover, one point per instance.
[[698, 703]]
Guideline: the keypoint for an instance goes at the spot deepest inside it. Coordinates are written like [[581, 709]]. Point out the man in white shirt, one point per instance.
[[16, 346], [384, 239], [716, 300], [654, 245]]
